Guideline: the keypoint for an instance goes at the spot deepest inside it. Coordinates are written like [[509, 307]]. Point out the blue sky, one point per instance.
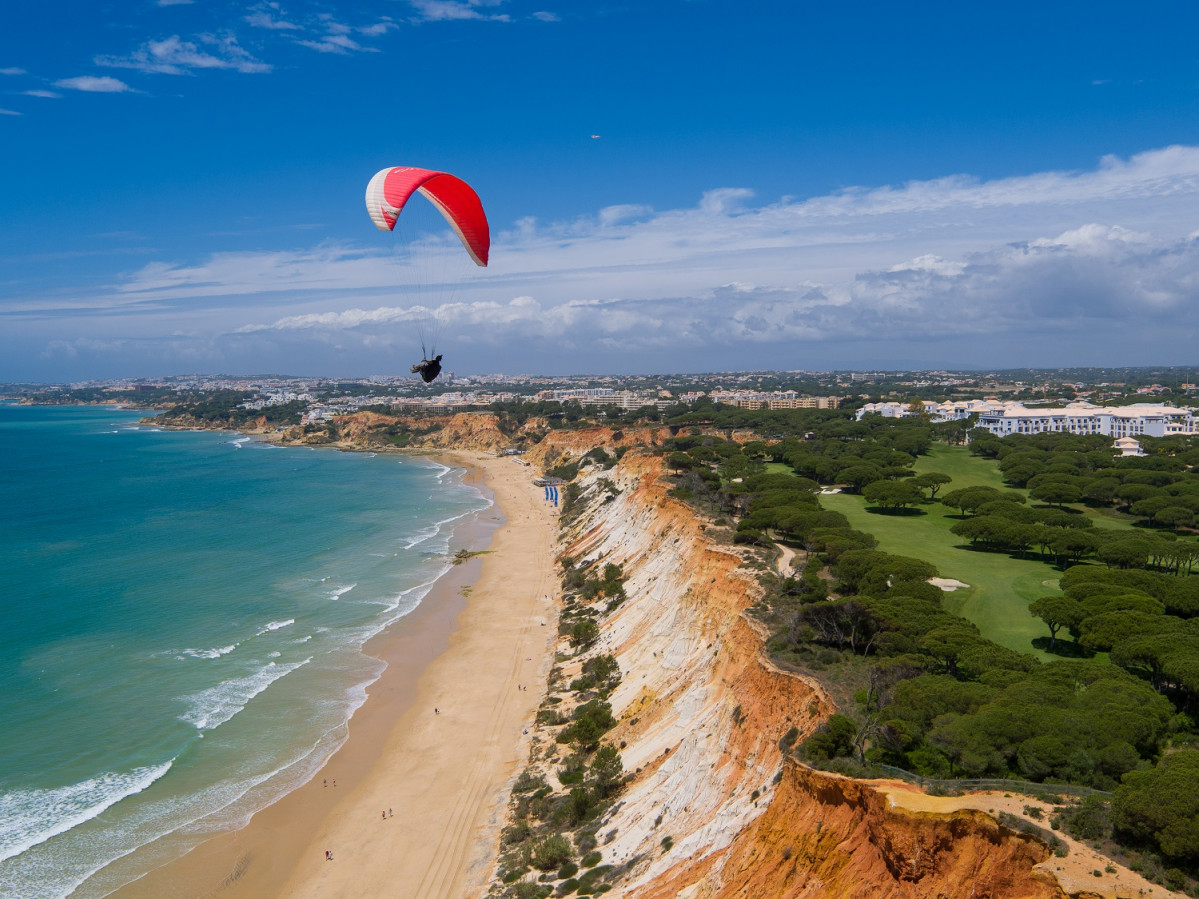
[[678, 185]]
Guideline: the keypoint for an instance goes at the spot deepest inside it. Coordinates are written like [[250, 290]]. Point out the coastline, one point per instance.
[[487, 626]]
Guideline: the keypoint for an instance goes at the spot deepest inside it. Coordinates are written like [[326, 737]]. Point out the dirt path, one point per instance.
[[785, 560]]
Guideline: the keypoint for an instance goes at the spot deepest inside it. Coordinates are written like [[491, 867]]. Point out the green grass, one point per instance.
[[965, 469], [973, 471], [1001, 587]]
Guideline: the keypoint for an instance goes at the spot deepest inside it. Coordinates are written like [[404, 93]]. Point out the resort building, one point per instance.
[[1137, 420], [1004, 418], [948, 411], [1128, 446]]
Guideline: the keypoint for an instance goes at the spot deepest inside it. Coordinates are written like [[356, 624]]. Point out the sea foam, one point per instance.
[[274, 626], [215, 653], [213, 707], [30, 817]]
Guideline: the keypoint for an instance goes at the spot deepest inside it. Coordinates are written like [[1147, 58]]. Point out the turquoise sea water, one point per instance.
[[183, 617]]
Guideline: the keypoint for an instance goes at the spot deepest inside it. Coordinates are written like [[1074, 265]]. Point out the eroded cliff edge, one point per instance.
[[713, 807]]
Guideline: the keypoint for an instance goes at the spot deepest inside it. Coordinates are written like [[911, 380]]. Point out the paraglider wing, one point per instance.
[[391, 188]]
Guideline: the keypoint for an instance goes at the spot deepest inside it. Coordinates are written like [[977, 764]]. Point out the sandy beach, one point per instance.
[[410, 804]]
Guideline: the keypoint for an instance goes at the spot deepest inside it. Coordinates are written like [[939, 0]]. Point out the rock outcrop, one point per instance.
[[828, 836]]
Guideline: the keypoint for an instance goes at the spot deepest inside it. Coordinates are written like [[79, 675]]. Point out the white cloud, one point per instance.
[[175, 2], [1101, 263], [334, 43], [543, 16], [379, 28], [337, 39], [724, 200], [268, 16], [612, 215], [175, 56], [232, 274], [101, 84], [12, 70], [457, 10], [1004, 290], [50, 95], [10, 112]]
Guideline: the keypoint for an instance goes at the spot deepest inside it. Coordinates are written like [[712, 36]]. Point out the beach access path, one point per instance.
[[440, 736]]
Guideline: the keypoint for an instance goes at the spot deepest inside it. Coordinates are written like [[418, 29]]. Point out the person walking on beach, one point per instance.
[[328, 856]]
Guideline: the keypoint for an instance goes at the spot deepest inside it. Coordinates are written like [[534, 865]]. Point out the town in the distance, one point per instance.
[[1116, 402]]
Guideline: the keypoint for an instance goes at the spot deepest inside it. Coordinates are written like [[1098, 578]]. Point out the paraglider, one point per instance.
[[428, 369], [388, 192]]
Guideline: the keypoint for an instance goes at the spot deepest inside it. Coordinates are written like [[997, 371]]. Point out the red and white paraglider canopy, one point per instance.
[[390, 189]]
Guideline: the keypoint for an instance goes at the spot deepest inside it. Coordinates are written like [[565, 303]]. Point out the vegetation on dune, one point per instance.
[[552, 845]]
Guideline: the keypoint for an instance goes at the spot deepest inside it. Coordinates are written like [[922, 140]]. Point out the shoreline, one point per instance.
[[485, 627]]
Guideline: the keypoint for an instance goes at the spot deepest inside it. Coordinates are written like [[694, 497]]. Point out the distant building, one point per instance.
[[780, 399], [1004, 418], [1129, 446], [604, 396], [949, 411]]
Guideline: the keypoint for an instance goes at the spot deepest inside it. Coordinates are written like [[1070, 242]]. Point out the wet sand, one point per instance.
[[437, 741]]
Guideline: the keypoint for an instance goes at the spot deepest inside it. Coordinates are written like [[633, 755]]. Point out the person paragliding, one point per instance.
[[428, 369], [390, 189]]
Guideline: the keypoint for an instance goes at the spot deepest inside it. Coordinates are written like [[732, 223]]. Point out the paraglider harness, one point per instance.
[[428, 369]]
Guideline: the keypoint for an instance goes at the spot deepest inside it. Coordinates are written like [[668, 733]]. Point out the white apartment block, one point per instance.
[[781, 399], [951, 411], [1137, 420], [1004, 418]]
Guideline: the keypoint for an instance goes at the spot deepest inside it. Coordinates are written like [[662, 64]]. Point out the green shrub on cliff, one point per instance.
[[551, 853]]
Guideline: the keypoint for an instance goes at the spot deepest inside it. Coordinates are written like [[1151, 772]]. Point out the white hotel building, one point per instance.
[[1002, 419], [1137, 420], [950, 411]]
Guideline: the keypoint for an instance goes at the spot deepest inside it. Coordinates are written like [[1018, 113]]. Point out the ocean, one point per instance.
[[183, 622]]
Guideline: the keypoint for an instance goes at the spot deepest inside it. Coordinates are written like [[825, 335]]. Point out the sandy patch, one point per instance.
[[947, 584]]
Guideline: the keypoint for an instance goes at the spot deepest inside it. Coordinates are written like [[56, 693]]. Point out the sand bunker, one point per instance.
[[947, 584]]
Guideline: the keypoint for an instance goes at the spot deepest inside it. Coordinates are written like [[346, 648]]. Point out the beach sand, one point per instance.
[[487, 628]]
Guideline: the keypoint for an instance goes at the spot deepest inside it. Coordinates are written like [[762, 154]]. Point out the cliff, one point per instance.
[[477, 431], [827, 836], [713, 807]]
